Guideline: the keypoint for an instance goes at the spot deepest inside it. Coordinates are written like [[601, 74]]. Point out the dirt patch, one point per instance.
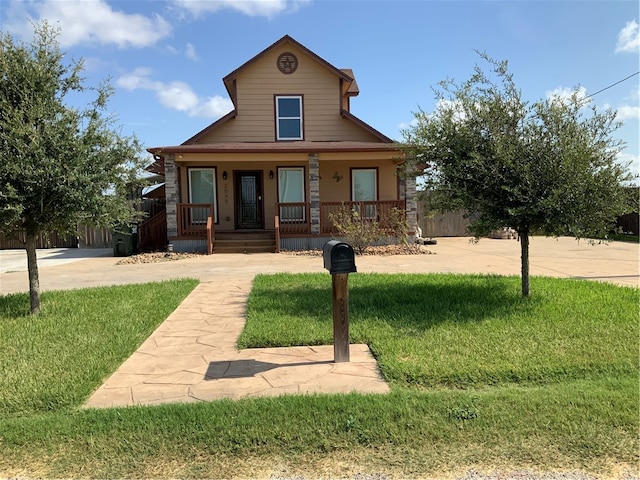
[[380, 250], [156, 257]]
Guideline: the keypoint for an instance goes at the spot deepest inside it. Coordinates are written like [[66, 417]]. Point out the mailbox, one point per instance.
[[339, 257]]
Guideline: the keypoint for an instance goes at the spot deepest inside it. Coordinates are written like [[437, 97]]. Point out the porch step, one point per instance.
[[241, 242]]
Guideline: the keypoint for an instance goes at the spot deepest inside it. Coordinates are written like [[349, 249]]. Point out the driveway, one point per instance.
[[16, 260], [616, 262]]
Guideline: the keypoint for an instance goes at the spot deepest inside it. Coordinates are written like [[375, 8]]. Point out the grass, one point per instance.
[[481, 379], [625, 237], [53, 361], [458, 331]]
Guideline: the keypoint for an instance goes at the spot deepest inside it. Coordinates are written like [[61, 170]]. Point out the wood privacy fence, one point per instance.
[[455, 225], [630, 223], [95, 237], [452, 224], [88, 237]]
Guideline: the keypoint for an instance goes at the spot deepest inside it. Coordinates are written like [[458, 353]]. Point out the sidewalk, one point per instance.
[[192, 357]]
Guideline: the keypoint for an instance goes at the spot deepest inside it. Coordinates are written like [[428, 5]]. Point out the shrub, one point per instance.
[[362, 232]]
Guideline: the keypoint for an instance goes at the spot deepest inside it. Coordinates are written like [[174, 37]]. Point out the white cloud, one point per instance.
[[252, 8], [566, 94], [139, 78], [629, 38], [191, 53], [88, 21], [628, 112], [405, 125], [176, 95]]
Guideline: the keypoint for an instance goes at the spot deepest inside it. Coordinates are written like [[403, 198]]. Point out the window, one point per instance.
[[364, 188], [289, 118], [291, 190], [202, 189]]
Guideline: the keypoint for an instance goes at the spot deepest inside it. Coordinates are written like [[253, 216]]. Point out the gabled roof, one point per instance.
[[229, 79], [349, 116], [207, 129], [229, 116], [350, 89], [353, 89]]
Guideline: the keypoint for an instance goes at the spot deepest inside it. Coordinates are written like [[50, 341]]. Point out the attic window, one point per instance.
[[289, 118]]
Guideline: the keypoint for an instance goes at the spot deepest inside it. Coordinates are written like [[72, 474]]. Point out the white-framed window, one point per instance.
[[289, 117], [291, 190], [202, 189], [364, 188]]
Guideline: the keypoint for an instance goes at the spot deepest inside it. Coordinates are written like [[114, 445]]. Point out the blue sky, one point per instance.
[[166, 59]]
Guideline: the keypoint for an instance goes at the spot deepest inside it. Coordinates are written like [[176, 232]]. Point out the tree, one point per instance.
[[547, 167], [59, 165]]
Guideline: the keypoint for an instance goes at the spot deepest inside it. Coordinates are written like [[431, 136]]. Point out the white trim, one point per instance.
[[278, 117]]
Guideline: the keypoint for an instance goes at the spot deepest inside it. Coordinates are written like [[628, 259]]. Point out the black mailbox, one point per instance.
[[339, 257]]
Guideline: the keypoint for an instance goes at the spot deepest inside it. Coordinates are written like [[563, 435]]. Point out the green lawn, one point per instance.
[[481, 379], [458, 331]]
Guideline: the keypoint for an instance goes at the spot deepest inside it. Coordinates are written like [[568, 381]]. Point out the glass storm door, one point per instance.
[[249, 200]]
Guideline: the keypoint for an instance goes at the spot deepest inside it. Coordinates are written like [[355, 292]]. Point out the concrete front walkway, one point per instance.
[[192, 357]]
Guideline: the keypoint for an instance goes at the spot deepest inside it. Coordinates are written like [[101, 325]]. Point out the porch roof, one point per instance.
[[267, 147]]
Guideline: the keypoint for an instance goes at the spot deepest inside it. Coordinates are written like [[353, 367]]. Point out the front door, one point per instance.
[[249, 200]]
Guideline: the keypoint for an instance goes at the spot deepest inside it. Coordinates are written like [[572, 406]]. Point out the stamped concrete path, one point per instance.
[[192, 356]]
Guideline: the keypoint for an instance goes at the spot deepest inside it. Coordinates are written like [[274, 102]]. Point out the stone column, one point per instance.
[[314, 193], [412, 206], [171, 189], [402, 185]]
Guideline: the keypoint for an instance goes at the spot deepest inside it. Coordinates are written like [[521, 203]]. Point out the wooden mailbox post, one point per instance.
[[339, 259]]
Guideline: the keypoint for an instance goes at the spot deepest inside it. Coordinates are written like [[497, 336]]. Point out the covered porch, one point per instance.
[[293, 225], [268, 198]]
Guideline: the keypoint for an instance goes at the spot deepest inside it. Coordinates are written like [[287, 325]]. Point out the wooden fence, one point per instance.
[[87, 237], [451, 224], [455, 225], [49, 240], [630, 223], [90, 237]]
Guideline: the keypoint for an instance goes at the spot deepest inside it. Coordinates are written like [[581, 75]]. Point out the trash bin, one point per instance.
[[124, 240]]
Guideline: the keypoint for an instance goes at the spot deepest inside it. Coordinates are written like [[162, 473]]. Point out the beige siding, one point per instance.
[[340, 191], [259, 82]]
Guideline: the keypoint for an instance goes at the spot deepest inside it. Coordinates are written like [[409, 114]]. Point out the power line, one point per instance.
[[613, 85]]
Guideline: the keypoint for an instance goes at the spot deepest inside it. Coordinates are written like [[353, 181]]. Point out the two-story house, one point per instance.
[[268, 174]]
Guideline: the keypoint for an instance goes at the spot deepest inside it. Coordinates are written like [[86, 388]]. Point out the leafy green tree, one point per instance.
[[59, 165], [547, 167]]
